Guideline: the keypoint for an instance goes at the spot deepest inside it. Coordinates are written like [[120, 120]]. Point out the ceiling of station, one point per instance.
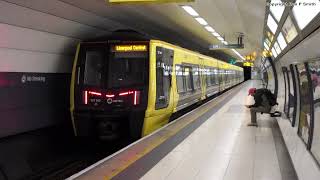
[[171, 23]]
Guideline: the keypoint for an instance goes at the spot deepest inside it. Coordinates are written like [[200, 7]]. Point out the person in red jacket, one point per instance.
[[261, 104]]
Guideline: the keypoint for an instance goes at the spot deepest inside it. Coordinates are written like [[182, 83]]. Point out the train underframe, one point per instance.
[[109, 126]]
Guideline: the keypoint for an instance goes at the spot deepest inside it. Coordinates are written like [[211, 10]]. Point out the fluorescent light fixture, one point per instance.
[[277, 47], [304, 13], [281, 41], [266, 45], [274, 53], [216, 34], [237, 53], [272, 24], [209, 28], [267, 42], [220, 38], [201, 21], [277, 10], [190, 10], [225, 42]]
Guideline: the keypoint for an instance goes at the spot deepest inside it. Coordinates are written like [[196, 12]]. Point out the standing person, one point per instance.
[[261, 104]]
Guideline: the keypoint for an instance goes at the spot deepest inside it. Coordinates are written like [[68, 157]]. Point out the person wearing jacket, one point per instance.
[[261, 104]]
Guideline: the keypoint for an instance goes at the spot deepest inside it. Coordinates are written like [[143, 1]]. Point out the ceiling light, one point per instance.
[[237, 53], [209, 28], [201, 21], [266, 45], [190, 10], [225, 42], [220, 38], [281, 41], [216, 34], [274, 53], [272, 24]]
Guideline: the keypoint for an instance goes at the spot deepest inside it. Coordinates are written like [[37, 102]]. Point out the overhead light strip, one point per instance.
[[237, 53], [190, 10], [204, 23], [220, 38], [210, 29], [216, 34], [201, 21]]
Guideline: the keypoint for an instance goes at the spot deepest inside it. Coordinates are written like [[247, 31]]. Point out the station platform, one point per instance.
[[211, 142]]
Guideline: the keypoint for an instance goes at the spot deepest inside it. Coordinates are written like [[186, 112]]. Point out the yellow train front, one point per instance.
[[132, 87]]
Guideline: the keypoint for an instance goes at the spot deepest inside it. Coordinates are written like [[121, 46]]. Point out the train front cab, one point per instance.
[[109, 89]]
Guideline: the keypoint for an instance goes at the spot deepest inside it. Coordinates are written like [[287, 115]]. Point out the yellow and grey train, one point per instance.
[[132, 87]]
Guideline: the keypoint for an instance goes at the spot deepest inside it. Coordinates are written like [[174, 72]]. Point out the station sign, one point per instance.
[[232, 61], [146, 1], [130, 48], [228, 46]]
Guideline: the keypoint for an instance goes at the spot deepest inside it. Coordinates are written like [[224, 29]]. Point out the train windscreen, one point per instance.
[[93, 67], [112, 67], [127, 69]]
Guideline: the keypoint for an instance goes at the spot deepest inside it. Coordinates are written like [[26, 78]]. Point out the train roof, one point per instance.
[[222, 63], [122, 35]]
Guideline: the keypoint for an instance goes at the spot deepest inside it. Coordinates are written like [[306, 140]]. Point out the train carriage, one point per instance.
[[132, 87]]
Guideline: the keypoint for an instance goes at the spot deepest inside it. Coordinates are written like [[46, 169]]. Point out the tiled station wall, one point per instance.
[[304, 163], [38, 40]]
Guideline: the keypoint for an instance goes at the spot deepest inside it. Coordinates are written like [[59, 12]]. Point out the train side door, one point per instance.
[[164, 62]]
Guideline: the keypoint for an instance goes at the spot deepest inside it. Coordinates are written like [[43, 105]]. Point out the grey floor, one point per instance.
[[225, 148]]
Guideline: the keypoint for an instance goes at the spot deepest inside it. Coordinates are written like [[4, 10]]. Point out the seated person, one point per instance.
[[261, 104]]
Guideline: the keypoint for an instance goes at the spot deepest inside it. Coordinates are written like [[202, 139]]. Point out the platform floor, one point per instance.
[[224, 147]]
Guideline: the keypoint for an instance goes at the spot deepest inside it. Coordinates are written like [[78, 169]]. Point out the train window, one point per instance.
[[187, 74], [208, 77], [179, 77], [196, 77], [93, 68], [225, 76], [221, 76], [216, 75], [164, 62], [212, 77], [127, 69]]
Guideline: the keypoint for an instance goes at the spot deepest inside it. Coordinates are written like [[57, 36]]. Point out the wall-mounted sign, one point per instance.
[[228, 46], [232, 61], [147, 1], [130, 48]]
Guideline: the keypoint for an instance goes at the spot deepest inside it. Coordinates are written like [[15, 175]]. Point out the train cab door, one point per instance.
[[164, 62]]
